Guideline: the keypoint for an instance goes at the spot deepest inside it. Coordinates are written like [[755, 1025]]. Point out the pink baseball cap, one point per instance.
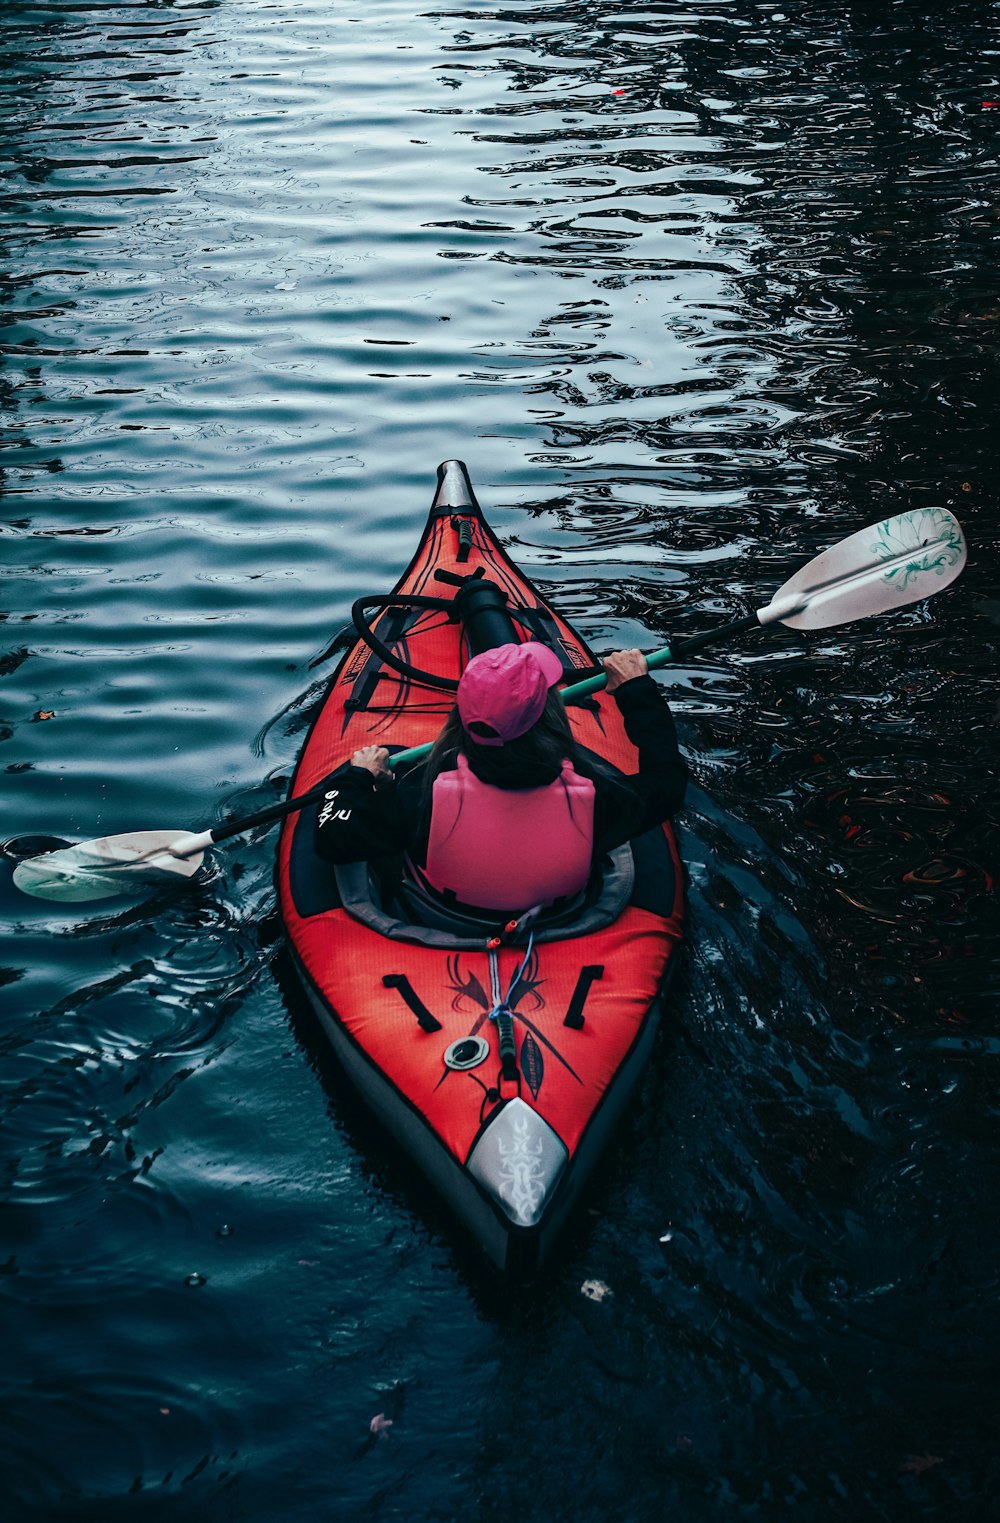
[[505, 690]]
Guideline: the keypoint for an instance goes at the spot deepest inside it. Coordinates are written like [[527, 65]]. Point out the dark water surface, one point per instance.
[[697, 289]]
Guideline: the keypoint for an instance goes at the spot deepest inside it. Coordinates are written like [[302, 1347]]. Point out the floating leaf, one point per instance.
[[916, 1464]]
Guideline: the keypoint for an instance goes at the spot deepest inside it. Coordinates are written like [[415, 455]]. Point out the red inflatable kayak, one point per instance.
[[499, 1060]]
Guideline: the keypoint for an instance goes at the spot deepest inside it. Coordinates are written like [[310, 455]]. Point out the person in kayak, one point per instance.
[[507, 814]]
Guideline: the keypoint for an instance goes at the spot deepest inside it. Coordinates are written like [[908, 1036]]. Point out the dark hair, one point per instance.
[[529, 761], [525, 762]]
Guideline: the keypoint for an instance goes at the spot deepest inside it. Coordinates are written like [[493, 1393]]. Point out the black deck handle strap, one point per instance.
[[588, 976], [366, 690], [464, 527], [507, 1044], [452, 578], [425, 1020]]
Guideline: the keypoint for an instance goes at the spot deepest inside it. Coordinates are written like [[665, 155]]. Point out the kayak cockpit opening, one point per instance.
[[404, 910]]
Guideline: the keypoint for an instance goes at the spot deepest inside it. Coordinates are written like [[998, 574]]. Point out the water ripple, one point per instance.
[[697, 290]]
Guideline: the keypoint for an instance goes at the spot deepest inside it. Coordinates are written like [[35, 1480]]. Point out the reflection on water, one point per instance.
[[696, 290]]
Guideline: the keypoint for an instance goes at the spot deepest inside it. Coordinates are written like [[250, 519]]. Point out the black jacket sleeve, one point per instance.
[[635, 804], [360, 819]]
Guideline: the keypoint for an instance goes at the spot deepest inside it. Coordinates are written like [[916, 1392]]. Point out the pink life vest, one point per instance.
[[510, 849]]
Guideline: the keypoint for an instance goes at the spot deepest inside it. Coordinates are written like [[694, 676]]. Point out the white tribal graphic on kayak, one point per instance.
[[521, 1185]]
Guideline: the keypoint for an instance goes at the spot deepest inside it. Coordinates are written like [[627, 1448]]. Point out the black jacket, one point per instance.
[[364, 820]]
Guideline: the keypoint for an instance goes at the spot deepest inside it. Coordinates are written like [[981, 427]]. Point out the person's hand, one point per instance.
[[374, 759], [622, 665]]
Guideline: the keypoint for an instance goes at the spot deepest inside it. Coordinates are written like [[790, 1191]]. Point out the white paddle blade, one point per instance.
[[103, 868], [877, 570]]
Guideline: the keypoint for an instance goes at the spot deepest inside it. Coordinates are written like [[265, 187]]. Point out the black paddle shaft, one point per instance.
[[268, 816], [713, 636]]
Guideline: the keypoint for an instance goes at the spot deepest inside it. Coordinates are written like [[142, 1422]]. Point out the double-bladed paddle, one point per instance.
[[896, 562]]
